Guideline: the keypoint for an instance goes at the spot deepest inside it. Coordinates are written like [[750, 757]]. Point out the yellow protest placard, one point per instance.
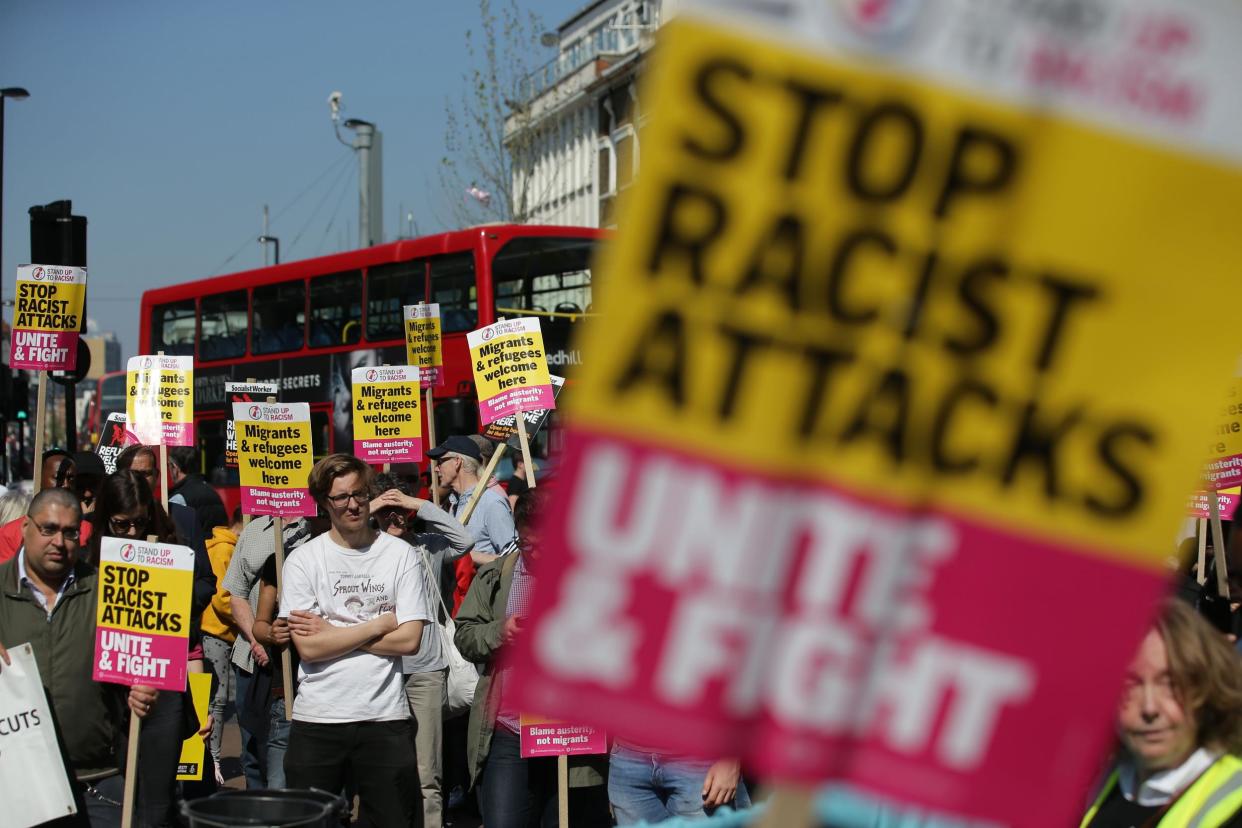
[[1224, 469], [388, 424], [424, 342], [159, 402], [193, 750], [274, 458], [842, 240], [510, 368], [47, 314]]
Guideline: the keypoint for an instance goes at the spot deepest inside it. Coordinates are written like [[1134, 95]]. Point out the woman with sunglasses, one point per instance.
[[126, 508]]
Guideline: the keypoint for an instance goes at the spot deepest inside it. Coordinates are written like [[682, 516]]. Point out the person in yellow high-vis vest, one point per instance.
[[1179, 724]]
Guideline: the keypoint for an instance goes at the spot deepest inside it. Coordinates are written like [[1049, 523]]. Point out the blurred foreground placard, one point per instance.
[[917, 321]]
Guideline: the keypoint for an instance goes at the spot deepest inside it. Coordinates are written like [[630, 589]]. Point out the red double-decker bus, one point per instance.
[[306, 324]]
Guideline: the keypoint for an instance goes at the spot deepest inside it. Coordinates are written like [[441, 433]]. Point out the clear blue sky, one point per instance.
[[169, 125]]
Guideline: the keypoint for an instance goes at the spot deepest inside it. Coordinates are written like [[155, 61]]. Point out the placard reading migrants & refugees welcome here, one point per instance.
[[872, 473], [274, 458]]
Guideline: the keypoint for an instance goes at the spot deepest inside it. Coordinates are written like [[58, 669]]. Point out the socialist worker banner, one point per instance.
[[143, 614], [510, 368], [873, 469], [47, 315]]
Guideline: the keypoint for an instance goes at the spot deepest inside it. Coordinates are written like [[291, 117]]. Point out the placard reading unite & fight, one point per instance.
[[47, 313], [143, 615], [872, 470]]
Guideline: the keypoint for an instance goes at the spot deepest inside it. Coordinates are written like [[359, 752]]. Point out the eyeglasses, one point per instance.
[[339, 501], [124, 527], [442, 460], [50, 530]]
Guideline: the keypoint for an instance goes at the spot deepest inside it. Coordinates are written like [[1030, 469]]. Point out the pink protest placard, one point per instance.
[[540, 736], [701, 609], [47, 315], [143, 613], [274, 458], [1200, 506]]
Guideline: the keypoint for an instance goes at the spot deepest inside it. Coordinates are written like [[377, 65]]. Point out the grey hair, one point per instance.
[[468, 464], [59, 497], [13, 505]]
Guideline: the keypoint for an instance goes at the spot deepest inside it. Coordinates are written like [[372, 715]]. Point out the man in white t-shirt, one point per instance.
[[355, 603]]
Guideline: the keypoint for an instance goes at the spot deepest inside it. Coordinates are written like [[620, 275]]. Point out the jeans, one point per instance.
[[159, 748], [277, 744], [425, 693], [377, 756], [216, 653], [521, 793], [99, 804], [655, 787], [252, 744]]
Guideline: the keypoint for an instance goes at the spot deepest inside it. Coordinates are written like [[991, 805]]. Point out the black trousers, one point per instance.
[[376, 758]]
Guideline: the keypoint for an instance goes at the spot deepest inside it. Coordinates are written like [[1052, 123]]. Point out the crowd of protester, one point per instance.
[[358, 617]]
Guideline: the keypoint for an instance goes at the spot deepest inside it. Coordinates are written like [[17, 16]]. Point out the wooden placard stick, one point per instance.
[[278, 527], [40, 410], [1201, 574], [525, 441], [163, 461], [131, 756], [789, 807], [482, 484], [431, 441], [562, 789], [249, 381], [385, 467], [1218, 545]]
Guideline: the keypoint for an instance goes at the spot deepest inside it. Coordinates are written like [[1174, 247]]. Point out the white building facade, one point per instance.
[[574, 137]]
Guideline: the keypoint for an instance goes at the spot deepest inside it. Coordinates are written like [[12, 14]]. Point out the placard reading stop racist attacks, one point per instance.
[[159, 402], [274, 458], [510, 368], [872, 471], [388, 423], [242, 392], [47, 313], [1225, 468], [143, 614], [424, 343]]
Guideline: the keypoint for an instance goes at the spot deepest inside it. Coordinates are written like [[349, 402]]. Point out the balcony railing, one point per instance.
[[605, 41]]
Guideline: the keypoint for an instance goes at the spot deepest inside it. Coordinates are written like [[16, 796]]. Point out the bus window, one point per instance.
[[320, 429], [278, 318], [543, 274], [336, 309], [223, 328], [452, 285], [390, 287], [172, 328]]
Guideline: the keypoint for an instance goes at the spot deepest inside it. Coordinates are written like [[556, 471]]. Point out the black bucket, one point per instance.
[[263, 809], [338, 807]]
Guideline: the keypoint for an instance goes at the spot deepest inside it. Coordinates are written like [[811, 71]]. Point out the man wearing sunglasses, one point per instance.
[[355, 603], [491, 524]]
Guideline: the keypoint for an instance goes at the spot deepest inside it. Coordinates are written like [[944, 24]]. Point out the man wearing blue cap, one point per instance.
[[491, 524]]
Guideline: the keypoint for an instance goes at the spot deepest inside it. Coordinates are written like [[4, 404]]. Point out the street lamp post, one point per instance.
[[17, 94], [266, 239]]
